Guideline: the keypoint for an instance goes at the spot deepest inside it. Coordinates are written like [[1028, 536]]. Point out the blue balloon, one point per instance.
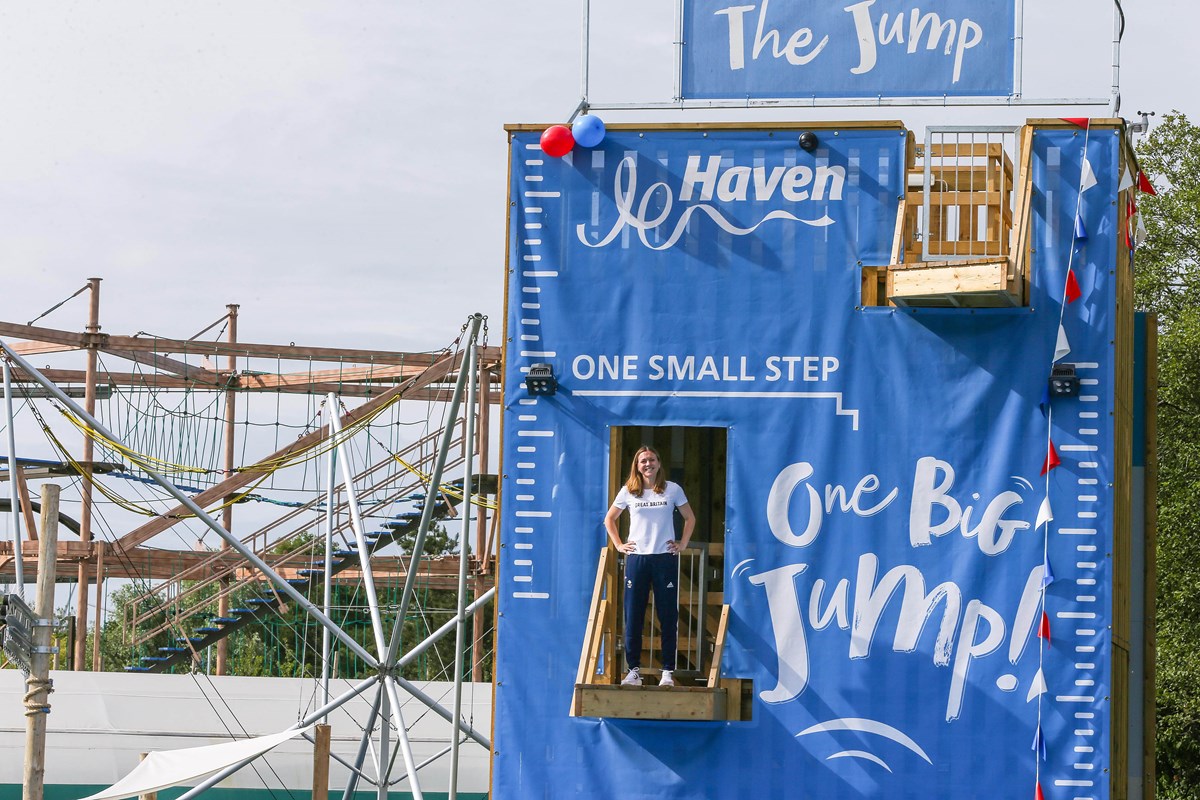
[[588, 130]]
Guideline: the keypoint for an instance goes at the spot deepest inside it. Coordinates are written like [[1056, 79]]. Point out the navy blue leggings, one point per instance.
[[660, 571]]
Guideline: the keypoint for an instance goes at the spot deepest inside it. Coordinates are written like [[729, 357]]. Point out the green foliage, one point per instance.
[[1167, 270]]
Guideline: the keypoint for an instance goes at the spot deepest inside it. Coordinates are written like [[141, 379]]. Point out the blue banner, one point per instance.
[[883, 557], [809, 49]]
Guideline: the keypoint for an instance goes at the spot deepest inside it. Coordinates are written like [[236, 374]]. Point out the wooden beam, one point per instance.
[[38, 348], [332, 376], [77, 341], [174, 367], [142, 344], [250, 474]]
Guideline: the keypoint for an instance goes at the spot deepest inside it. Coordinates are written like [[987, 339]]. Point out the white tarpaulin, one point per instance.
[[168, 768]]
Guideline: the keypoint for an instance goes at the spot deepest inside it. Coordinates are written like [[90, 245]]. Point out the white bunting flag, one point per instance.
[[1139, 235], [1038, 687], [1045, 514], [1088, 179], [1062, 347], [1126, 180]]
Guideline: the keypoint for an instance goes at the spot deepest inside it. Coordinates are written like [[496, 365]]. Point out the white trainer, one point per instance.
[[667, 678], [633, 678]]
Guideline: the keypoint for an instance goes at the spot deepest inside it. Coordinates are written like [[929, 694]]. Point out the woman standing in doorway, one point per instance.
[[651, 557]]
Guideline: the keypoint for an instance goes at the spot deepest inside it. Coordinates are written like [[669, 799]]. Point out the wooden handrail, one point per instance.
[[714, 669], [595, 625]]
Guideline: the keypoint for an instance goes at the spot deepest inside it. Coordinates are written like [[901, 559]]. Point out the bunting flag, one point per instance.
[[1126, 180], [1073, 292], [1044, 627], [1051, 461], [1139, 234], [1045, 514], [1081, 122], [1062, 347], [1144, 184], [1080, 230], [1088, 179], [1038, 687], [1047, 573], [1037, 795], [1039, 743], [1044, 403]]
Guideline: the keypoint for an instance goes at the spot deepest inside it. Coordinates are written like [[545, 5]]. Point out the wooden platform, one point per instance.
[[681, 703], [978, 283]]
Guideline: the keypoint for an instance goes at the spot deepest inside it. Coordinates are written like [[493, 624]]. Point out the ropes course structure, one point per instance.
[[158, 464]]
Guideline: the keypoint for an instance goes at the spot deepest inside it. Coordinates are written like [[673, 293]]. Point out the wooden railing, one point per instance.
[[700, 692], [962, 229]]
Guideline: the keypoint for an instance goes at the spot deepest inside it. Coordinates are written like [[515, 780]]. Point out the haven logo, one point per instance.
[[653, 215]]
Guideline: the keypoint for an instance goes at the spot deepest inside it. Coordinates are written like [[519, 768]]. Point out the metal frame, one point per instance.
[[14, 517], [926, 189], [387, 706], [1015, 99]]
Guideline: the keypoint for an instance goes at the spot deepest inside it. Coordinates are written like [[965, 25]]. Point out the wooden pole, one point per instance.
[[26, 505], [320, 788], [39, 685], [227, 512], [147, 795], [85, 508], [100, 548]]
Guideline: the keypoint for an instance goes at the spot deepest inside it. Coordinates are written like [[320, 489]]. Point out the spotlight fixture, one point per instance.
[[540, 380], [808, 141], [1063, 381]]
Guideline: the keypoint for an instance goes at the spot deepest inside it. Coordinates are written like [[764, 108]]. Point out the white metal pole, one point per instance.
[[364, 554], [1019, 48], [410, 764], [586, 56], [14, 518], [678, 51], [383, 770], [200, 513], [1118, 17], [330, 476], [464, 552]]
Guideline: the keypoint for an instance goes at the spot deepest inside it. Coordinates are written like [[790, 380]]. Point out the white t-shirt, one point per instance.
[[651, 516]]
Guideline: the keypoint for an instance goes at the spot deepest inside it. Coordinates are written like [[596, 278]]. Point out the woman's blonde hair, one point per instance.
[[634, 484]]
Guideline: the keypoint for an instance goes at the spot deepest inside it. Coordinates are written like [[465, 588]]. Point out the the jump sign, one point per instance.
[[839, 49]]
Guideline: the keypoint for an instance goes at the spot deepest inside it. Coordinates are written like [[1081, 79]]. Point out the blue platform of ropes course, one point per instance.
[[903, 387]]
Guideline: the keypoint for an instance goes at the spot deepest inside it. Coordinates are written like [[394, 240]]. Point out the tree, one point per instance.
[[1167, 281]]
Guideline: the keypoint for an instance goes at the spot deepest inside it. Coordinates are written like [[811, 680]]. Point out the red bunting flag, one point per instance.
[[1073, 292], [1037, 795], [1081, 122], [1044, 627], [1052, 459], [1144, 184]]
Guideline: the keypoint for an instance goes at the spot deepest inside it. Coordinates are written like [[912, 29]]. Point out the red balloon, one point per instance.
[[557, 141]]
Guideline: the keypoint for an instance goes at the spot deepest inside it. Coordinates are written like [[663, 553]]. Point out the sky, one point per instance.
[[339, 169]]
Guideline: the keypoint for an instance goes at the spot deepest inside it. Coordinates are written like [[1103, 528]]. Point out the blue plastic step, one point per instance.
[[172, 650], [261, 601], [297, 581], [308, 572], [192, 639], [155, 659], [241, 611], [227, 620], [208, 629], [132, 668]]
